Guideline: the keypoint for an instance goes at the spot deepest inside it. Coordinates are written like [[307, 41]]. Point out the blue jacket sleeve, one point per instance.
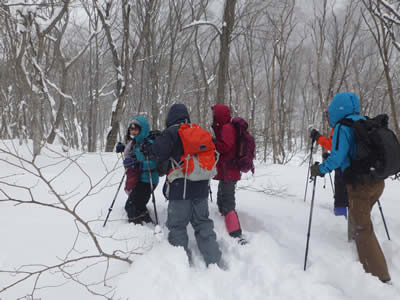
[[339, 157]]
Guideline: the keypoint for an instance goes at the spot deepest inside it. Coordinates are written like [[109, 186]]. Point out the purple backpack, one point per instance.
[[246, 147]]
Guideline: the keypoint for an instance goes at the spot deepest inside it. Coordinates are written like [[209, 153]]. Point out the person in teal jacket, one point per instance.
[[362, 195], [138, 170]]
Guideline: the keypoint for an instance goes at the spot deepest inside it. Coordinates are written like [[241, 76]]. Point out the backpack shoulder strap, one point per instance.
[[345, 122]]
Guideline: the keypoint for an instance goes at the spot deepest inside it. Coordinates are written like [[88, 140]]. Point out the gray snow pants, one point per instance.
[[180, 213]]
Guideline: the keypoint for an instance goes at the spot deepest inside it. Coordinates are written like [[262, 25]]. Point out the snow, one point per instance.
[[272, 213], [114, 105], [203, 22]]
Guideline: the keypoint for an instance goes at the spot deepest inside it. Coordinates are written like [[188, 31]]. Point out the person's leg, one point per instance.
[[226, 204], [204, 232], [226, 196], [143, 194], [340, 190], [179, 214], [130, 207], [362, 197]]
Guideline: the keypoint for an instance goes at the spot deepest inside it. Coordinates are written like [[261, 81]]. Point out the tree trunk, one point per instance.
[[225, 38]]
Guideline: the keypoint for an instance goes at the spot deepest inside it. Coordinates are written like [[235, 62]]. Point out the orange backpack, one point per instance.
[[198, 161]]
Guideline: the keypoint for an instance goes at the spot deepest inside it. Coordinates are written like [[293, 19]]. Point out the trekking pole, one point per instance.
[[209, 189], [309, 221], [333, 189], [115, 197], [309, 165], [383, 218], [152, 189]]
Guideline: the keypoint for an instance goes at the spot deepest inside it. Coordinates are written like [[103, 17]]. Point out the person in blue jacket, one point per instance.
[[362, 195], [138, 170]]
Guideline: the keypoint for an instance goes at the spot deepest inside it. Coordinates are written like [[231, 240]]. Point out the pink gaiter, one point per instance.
[[232, 221]]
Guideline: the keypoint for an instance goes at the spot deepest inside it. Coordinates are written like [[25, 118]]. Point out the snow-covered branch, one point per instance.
[[200, 23], [56, 19], [75, 263], [80, 53], [54, 86]]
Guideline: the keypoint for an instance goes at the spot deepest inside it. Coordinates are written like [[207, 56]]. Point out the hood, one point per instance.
[[221, 113], [144, 128], [343, 105], [177, 114]]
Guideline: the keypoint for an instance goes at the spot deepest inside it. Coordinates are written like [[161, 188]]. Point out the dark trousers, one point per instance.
[[138, 199], [226, 205], [341, 198], [226, 196]]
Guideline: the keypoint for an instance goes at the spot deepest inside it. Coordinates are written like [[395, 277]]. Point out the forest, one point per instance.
[[75, 71]]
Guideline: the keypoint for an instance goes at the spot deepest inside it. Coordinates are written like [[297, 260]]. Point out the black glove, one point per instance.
[[153, 134], [214, 140], [325, 155], [314, 134], [146, 148], [119, 147], [315, 170]]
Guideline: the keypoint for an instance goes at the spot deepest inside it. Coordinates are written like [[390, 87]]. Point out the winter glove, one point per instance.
[[154, 134], [325, 155], [340, 211], [314, 134], [145, 148], [315, 170], [119, 147], [129, 163]]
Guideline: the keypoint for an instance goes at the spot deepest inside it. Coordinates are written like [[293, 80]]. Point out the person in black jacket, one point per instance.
[[193, 207]]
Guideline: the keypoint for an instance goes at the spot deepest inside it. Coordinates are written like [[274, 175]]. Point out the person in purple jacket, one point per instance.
[[228, 173]]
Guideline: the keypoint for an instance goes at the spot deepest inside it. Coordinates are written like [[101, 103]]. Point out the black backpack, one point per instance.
[[377, 150]]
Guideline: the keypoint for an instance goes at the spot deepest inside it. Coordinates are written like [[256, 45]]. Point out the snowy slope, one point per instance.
[[272, 213]]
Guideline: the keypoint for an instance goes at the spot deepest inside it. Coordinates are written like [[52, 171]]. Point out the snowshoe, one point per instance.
[[143, 217], [242, 241]]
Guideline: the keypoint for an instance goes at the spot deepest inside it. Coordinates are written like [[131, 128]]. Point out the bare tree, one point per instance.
[[121, 64], [65, 65], [225, 40], [334, 44], [77, 261], [384, 25]]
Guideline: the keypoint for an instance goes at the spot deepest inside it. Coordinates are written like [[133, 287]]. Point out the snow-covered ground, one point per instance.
[[271, 209]]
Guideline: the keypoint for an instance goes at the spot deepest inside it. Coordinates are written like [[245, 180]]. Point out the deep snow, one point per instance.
[[271, 211]]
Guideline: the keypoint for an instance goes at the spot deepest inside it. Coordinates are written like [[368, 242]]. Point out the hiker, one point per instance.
[[188, 200], [340, 194], [137, 166], [362, 195], [228, 172]]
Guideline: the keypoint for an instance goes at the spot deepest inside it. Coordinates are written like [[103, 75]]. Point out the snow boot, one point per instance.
[[232, 224]]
